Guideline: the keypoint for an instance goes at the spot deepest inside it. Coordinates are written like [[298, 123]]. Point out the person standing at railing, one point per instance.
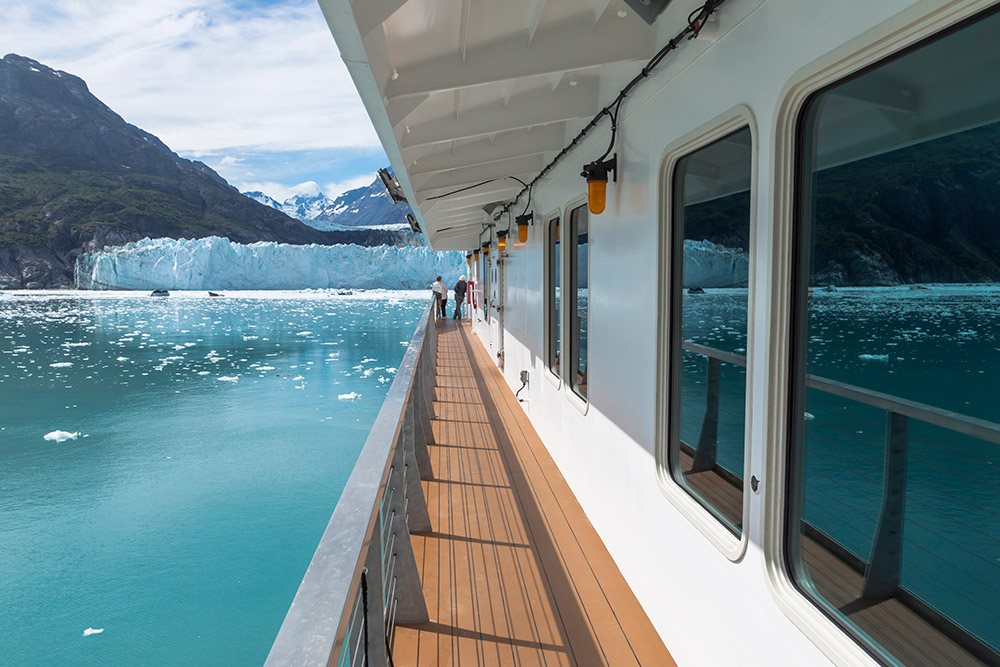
[[440, 297], [460, 288]]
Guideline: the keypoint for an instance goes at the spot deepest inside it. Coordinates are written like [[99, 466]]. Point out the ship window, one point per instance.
[[553, 263], [894, 485], [708, 324], [579, 274]]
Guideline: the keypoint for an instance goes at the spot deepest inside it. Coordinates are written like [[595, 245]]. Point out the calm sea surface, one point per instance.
[[214, 438]]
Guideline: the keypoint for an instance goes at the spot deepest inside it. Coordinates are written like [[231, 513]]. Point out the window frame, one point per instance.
[[552, 326], [705, 520], [892, 38], [572, 314]]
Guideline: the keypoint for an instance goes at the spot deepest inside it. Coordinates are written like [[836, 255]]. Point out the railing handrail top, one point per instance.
[[316, 620], [954, 421]]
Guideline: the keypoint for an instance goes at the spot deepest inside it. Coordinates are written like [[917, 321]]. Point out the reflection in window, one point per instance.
[[895, 452], [579, 273], [553, 263], [709, 274]]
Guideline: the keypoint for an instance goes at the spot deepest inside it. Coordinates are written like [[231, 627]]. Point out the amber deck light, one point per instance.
[[468, 259], [596, 174], [502, 241], [522, 226]]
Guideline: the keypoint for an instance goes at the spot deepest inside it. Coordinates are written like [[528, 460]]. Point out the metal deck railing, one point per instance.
[[363, 578]]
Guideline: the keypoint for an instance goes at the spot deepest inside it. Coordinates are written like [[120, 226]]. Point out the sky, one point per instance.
[[255, 89]]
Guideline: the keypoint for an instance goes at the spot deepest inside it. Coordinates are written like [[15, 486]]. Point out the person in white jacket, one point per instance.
[[440, 296]]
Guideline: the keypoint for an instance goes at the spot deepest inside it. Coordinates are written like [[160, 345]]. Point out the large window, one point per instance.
[[709, 261], [893, 526], [553, 271], [579, 274]]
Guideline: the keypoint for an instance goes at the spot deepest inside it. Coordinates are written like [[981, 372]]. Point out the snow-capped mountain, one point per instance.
[[365, 207]]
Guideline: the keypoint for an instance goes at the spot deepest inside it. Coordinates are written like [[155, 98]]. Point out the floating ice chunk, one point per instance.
[[266, 368], [229, 378], [92, 631], [809, 416], [353, 396], [122, 359], [873, 357], [61, 436], [61, 364], [297, 378], [304, 333]]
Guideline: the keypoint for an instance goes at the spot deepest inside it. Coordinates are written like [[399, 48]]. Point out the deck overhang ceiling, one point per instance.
[[464, 91]]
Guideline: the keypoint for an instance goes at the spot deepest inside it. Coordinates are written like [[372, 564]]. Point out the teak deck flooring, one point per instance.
[[513, 572]]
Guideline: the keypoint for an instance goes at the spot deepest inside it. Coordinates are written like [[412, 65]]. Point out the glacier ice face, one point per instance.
[[708, 264], [217, 263]]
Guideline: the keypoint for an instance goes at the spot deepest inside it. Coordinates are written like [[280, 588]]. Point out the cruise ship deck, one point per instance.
[[512, 570]]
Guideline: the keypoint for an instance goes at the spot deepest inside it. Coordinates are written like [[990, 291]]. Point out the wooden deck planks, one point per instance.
[[513, 572]]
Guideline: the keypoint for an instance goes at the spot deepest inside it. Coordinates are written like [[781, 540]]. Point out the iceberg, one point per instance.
[[708, 264], [218, 263], [61, 436]]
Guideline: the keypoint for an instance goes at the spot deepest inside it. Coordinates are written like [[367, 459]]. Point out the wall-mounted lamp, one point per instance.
[[596, 174], [502, 240], [486, 249], [475, 255], [468, 259], [522, 226], [412, 221]]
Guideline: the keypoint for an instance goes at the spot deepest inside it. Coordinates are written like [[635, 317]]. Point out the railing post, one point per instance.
[[704, 456], [406, 601], [882, 578], [376, 610], [416, 457]]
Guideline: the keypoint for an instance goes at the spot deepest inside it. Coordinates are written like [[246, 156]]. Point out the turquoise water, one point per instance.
[[215, 436]]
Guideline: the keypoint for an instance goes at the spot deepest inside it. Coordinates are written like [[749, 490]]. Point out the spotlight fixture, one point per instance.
[[392, 187], [522, 226], [596, 174], [414, 225], [502, 240]]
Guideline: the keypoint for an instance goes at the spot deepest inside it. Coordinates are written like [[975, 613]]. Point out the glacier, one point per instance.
[[217, 263], [708, 264]]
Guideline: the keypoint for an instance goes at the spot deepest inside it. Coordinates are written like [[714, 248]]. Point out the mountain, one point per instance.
[[76, 177], [924, 213], [366, 207]]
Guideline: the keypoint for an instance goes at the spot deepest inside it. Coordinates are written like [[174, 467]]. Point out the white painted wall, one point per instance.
[[709, 610]]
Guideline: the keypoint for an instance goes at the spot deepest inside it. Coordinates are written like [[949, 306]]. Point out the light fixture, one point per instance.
[[596, 174], [502, 240], [392, 187], [486, 249], [475, 255], [412, 221], [522, 226], [468, 259]]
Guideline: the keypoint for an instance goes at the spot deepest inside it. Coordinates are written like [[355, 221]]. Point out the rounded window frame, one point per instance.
[[711, 526]]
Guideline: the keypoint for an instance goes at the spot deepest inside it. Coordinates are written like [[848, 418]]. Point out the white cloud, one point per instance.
[[281, 192], [334, 190], [229, 160], [203, 75]]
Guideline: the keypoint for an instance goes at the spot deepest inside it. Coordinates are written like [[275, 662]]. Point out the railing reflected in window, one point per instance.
[[709, 263], [579, 277], [895, 453]]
